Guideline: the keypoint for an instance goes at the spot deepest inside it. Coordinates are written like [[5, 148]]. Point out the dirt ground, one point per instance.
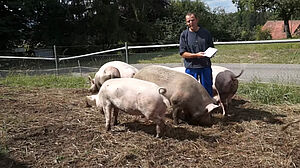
[[53, 128]]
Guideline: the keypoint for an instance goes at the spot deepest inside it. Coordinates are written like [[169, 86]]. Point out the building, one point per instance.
[[276, 28]]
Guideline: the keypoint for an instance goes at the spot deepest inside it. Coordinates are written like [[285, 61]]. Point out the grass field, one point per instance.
[[259, 92], [280, 53]]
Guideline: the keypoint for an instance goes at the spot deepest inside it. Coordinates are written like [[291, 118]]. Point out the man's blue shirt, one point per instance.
[[195, 42]]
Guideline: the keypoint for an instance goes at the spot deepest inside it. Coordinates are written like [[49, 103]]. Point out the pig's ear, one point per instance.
[[210, 107]]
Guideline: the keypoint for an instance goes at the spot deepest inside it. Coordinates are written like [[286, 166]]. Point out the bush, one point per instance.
[[262, 34]]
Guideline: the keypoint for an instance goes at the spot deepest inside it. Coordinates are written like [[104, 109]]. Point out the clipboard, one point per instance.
[[210, 52]]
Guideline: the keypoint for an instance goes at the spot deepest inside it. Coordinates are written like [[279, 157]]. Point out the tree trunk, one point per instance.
[[135, 11], [287, 28]]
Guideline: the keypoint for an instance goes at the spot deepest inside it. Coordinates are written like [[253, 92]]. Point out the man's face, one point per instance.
[[191, 21]]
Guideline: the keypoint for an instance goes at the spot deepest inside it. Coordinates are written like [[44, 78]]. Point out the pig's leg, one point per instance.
[[223, 108], [107, 112], [175, 114], [160, 125], [226, 107], [175, 108], [115, 115]]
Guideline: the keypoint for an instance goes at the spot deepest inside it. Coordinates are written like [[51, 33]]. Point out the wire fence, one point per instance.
[[56, 60]]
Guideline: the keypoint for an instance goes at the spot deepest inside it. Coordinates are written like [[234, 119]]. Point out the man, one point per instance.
[[193, 42]]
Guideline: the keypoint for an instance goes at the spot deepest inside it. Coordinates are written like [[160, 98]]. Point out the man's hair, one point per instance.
[[191, 13]]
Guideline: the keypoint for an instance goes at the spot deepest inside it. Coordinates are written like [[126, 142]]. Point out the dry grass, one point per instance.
[[53, 128]]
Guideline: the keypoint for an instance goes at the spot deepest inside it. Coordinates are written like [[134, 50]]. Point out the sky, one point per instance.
[[225, 4]]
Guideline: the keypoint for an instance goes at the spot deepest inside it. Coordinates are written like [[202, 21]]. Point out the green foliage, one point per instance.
[[107, 23], [47, 81], [224, 26], [80, 22], [246, 35], [102, 20], [12, 23], [244, 23], [262, 34], [53, 23], [173, 23], [270, 93]]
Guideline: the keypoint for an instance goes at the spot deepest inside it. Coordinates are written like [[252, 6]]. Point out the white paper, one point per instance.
[[210, 52]]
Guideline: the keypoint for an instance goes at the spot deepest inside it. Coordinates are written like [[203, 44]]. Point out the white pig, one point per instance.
[[113, 69], [135, 97]]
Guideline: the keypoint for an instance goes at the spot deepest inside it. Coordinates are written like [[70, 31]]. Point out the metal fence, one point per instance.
[[48, 61]]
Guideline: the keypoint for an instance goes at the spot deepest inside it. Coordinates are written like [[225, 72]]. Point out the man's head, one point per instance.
[[191, 21]]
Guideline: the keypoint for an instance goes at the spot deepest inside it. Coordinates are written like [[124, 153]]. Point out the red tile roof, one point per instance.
[[276, 28]]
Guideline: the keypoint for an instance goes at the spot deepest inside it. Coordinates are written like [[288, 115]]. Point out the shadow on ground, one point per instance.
[[6, 162], [240, 112]]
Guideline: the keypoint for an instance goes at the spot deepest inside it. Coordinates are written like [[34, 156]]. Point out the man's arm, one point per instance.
[[192, 55]]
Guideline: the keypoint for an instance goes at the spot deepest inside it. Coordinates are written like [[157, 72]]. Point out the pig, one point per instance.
[[135, 97], [225, 83], [109, 72], [113, 69], [189, 100], [216, 95]]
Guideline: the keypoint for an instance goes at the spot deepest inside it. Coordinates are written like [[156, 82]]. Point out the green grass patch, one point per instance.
[[270, 93], [170, 55], [3, 151], [46, 81], [259, 92], [275, 53]]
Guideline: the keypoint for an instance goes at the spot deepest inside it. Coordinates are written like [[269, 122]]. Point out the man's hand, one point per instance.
[[200, 54]]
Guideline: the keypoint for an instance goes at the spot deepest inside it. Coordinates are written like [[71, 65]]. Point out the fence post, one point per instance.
[[79, 67], [126, 53], [56, 60]]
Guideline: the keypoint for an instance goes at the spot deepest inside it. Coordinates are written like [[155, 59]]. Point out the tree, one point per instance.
[[13, 23], [225, 26], [138, 18], [103, 23], [283, 8], [51, 23], [173, 23]]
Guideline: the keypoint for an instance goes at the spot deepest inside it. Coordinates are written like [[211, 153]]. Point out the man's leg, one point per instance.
[[206, 79], [205, 75], [193, 72]]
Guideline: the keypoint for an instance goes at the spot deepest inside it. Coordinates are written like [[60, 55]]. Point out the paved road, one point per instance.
[[278, 73]]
